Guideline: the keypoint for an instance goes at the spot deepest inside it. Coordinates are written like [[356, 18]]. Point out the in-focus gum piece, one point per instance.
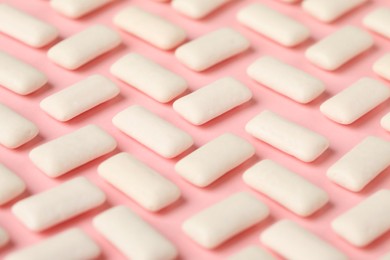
[[56, 205], [76, 8], [72, 150], [338, 48], [197, 9], [361, 164], [273, 24], [295, 83], [366, 221], [378, 21], [152, 131], [382, 66], [136, 70], [211, 49], [355, 101], [214, 159], [252, 253], [79, 97], [18, 76], [292, 241], [329, 10], [133, 236], [69, 244], [212, 100], [385, 122], [151, 28], [25, 28], [4, 237], [216, 224], [15, 130], [11, 185], [138, 181], [84, 46], [285, 187], [287, 136]]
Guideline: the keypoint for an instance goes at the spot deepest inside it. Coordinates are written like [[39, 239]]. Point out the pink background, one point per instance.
[[194, 199]]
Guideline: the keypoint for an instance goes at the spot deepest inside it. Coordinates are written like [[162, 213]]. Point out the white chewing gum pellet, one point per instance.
[[72, 150], [138, 181], [292, 241], [15, 130], [385, 257], [295, 83], [25, 28], [339, 47], [329, 10], [152, 131], [361, 164], [4, 237], [197, 9], [136, 70], [355, 101], [252, 253], [273, 24], [80, 97], [385, 122], [18, 76], [287, 136], [212, 100], [76, 8], [11, 185], [378, 20], [225, 219], [366, 221], [150, 27], [70, 244], [211, 49], [382, 66], [84, 46], [133, 236], [56, 205], [214, 159], [286, 187]]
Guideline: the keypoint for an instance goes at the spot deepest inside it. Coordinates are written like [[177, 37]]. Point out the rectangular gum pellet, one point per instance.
[[214, 159], [295, 83], [200, 106], [56, 205], [133, 236], [72, 150], [355, 101], [80, 97], [382, 66], [385, 122], [25, 28], [76, 8], [273, 24], [153, 131], [293, 241], [11, 185], [197, 9], [135, 70], [287, 136], [69, 244], [252, 253], [329, 10], [378, 20], [285, 187], [138, 181], [84, 46], [150, 27], [15, 129], [361, 164], [366, 221], [225, 219], [4, 238], [18, 76], [338, 48], [211, 49], [385, 257]]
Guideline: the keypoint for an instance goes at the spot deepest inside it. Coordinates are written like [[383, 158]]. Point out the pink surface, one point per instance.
[[194, 199]]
